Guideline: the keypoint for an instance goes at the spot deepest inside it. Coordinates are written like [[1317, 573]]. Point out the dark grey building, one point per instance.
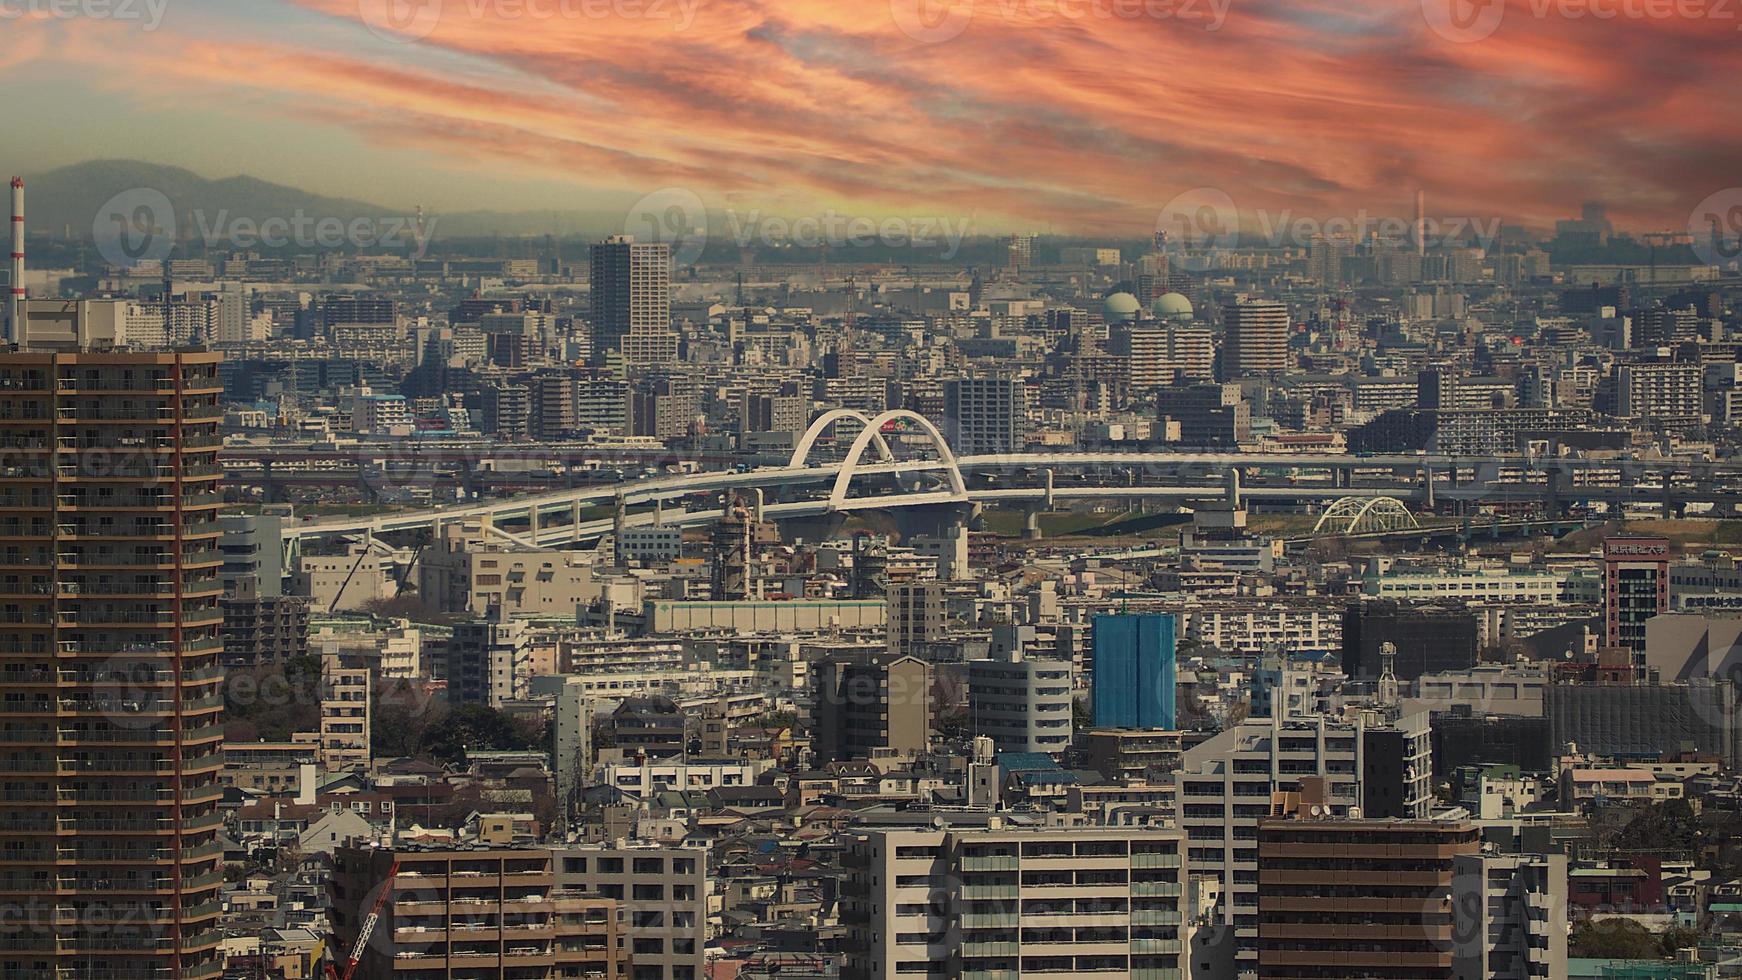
[[1429, 639]]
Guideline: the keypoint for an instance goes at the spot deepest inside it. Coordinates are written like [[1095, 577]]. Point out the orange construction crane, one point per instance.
[[368, 927]]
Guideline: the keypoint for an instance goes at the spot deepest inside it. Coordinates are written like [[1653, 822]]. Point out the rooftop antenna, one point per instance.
[[1388, 674]]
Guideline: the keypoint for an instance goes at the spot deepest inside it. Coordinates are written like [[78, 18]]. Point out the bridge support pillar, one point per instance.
[[1031, 525], [1427, 482], [1047, 500], [619, 521], [1345, 478]]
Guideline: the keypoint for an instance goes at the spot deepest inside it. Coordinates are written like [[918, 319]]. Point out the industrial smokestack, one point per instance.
[[15, 302], [1421, 223]]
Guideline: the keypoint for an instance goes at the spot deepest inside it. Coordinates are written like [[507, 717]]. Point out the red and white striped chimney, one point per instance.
[[15, 303]]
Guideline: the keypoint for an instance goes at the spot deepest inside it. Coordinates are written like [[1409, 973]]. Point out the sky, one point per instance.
[[1047, 116]]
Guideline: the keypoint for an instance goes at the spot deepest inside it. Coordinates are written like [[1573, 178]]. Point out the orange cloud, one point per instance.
[[1082, 115]]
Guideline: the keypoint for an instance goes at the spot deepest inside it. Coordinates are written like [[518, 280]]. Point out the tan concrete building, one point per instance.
[[466, 573], [345, 710], [877, 704], [664, 892], [339, 582]]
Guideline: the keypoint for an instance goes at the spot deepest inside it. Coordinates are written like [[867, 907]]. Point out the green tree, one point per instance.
[[1612, 939]]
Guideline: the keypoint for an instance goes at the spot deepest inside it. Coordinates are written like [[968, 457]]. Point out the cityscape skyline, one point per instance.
[[1115, 109]]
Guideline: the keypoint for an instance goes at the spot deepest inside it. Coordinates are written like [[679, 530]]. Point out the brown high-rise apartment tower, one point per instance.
[[110, 688]]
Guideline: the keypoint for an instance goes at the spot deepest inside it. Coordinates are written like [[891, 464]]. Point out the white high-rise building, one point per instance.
[[985, 416], [1257, 341], [631, 294]]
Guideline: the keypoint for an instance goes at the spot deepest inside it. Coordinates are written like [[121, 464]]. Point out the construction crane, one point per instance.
[[368, 927]]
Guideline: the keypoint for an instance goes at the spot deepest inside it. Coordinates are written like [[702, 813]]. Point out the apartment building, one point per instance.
[[480, 911], [345, 710], [1367, 898], [1022, 704], [664, 894], [871, 704], [1005, 898], [111, 744], [1659, 391], [985, 415], [1512, 909], [1130, 755], [1230, 783]]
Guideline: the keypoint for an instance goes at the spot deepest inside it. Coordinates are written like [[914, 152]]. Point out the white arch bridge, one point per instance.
[[1365, 515]]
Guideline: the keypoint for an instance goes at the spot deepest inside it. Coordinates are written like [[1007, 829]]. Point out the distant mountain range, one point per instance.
[[64, 203]]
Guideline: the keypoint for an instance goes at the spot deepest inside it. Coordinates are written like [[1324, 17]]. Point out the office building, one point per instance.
[[1257, 339], [1368, 898], [1204, 414], [1511, 911], [866, 704], [631, 293], [1429, 639], [1132, 677], [968, 901], [112, 733], [481, 911], [1635, 588], [985, 416], [664, 895], [1022, 704]]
